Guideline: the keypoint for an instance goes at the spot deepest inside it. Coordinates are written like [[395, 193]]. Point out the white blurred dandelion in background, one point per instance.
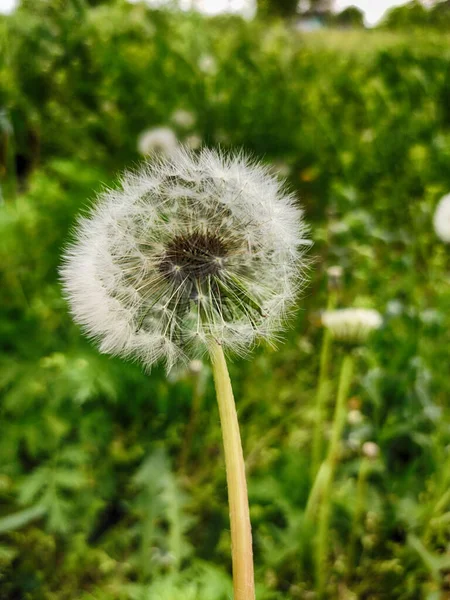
[[441, 219], [158, 141], [352, 325]]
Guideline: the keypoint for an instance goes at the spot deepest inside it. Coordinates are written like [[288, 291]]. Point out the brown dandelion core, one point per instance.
[[193, 257]]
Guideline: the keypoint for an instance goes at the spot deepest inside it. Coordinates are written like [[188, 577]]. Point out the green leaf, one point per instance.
[[21, 518]]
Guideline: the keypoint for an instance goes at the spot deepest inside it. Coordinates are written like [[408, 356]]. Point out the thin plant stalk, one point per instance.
[[315, 493], [360, 502], [340, 413], [323, 387], [241, 534], [321, 398]]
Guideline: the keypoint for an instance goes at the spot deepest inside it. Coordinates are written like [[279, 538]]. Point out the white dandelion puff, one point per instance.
[[194, 249], [159, 141], [441, 219], [353, 325]]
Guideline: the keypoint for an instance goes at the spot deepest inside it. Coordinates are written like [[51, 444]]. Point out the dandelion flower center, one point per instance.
[[193, 258]]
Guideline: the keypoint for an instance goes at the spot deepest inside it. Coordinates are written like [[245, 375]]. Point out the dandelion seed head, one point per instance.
[[441, 219], [353, 325], [191, 249]]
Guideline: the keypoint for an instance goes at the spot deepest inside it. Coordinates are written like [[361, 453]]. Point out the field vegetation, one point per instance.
[[112, 485]]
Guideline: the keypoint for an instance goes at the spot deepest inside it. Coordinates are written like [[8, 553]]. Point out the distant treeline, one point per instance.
[[413, 14]]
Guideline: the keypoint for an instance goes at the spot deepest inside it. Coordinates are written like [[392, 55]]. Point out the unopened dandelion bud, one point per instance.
[[335, 275]]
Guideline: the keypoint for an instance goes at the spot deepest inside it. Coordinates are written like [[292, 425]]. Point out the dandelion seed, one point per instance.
[[441, 219], [159, 141], [352, 325], [198, 249]]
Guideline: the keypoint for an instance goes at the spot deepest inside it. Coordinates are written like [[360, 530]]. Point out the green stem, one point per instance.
[[241, 534], [321, 395], [360, 503], [315, 493], [340, 413], [321, 398]]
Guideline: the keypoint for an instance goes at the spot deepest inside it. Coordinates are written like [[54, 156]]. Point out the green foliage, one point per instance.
[[414, 15], [278, 8], [350, 17], [97, 497]]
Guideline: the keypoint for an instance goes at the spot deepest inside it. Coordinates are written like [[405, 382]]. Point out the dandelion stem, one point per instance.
[[321, 395], [340, 412], [241, 535]]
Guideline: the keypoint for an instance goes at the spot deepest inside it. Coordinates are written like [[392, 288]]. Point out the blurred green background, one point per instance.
[[112, 482]]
